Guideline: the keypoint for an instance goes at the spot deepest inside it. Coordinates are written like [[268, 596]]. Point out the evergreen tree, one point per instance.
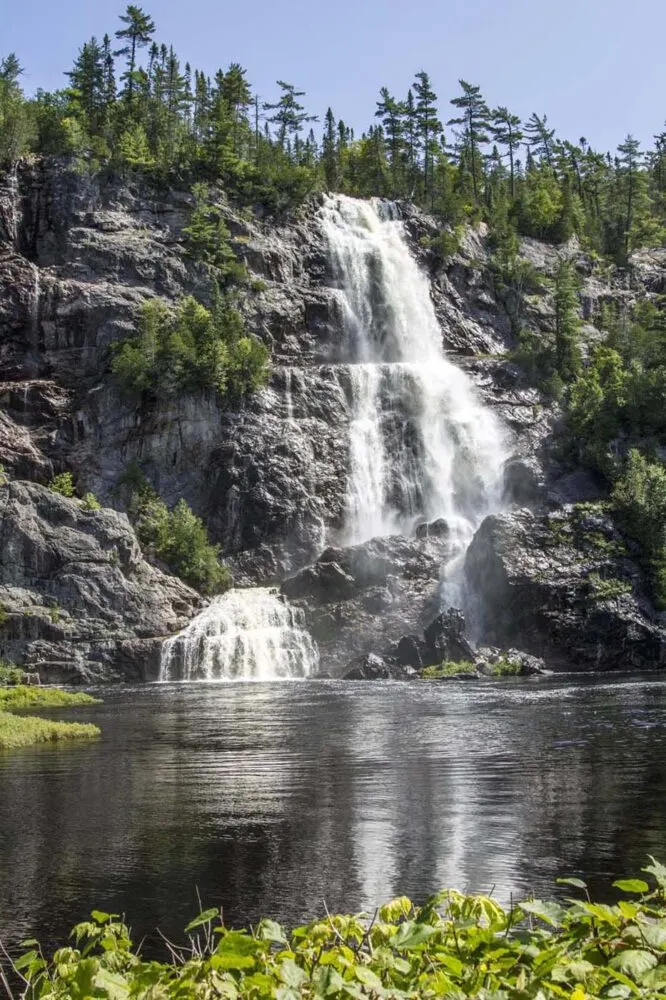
[[15, 127], [428, 127], [290, 116], [567, 323], [138, 33], [540, 138], [330, 152], [392, 114], [475, 120], [506, 130]]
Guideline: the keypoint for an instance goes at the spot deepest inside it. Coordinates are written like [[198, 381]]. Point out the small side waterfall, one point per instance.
[[245, 635], [422, 445]]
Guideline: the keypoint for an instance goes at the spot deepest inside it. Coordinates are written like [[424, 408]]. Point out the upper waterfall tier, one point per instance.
[[249, 635], [422, 445]]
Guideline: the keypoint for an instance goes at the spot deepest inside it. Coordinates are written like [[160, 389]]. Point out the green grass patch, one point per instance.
[[607, 589], [23, 731], [448, 669], [506, 667], [454, 946], [15, 699]]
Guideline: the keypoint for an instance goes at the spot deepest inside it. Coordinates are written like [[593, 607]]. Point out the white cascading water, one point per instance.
[[246, 635], [422, 445]]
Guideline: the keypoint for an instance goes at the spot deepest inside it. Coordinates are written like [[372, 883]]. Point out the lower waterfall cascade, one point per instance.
[[242, 635], [422, 446]]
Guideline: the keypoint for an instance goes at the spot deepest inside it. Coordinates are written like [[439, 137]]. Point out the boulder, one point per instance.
[[374, 668], [445, 638], [80, 601], [563, 586]]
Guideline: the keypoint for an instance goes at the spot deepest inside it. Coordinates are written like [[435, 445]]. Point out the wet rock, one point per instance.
[[524, 482], [80, 601], [411, 652], [437, 529], [374, 668], [377, 600], [563, 586], [445, 638], [489, 657]]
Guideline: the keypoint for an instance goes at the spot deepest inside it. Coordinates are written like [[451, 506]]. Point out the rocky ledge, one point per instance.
[[78, 602], [563, 585]]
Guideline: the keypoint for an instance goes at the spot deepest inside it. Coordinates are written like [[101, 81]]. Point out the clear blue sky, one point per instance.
[[596, 67]]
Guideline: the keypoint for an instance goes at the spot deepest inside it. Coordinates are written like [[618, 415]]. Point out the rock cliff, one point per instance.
[[78, 255]]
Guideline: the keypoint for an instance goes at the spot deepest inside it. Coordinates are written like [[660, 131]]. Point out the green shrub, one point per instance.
[[640, 503], [63, 484], [448, 669], [454, 946], [207, 240], [10, 674], [179, 538], [3, 475], [506, 667], [191, 349], [90, 502], [604, 589]]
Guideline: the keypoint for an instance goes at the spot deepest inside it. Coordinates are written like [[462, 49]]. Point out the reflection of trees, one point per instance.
[[274, 799]]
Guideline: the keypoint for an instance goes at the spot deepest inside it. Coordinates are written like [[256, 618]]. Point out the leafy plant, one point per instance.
[[448, 669], [63, 484], [191, 349], [453, 946], [179, 538], [90, 502]]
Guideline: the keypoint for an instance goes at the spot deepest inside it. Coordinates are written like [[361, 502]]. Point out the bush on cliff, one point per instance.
[[453, 946], [179, 538], [191, 349]]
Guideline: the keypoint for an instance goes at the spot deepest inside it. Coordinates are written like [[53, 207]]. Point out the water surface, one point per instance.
[[275, 798]]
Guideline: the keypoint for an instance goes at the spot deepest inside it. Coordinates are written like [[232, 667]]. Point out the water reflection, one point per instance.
[[274, 798]]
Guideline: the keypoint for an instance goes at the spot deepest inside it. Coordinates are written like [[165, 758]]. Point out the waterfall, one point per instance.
[[422, 445], [248, 635]]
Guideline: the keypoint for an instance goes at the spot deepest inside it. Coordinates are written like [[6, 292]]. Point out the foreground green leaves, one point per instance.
[[454, 946]]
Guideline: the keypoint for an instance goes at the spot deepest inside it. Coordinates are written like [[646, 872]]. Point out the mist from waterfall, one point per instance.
[[249, 635], [422, 445]]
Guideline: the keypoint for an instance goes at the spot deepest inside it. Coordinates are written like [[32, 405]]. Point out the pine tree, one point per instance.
[[428, 127], [87, 80], [567, 323], [139, 32], [15, 127], [290, 116], [540, 138], [330, 152], [475, 120], [391, 114], [506, 130], [628, 164]]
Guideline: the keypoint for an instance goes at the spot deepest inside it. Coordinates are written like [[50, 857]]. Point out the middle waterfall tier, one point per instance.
[[421, 444]]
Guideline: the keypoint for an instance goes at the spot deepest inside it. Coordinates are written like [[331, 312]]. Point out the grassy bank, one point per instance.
[[15, 699], [22, 731], [454, 946]]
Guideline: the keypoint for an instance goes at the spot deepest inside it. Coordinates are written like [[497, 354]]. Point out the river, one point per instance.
[[279, 799]]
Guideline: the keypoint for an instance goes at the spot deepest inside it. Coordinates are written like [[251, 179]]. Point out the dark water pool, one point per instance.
[[272, 799]]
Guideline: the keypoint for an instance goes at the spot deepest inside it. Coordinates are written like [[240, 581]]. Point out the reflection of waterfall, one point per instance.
[[244, 635], [422, 446]]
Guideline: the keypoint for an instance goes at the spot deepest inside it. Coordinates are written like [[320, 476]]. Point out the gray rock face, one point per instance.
[[359, 600], [79, 600], [78, 257], [562, 586]]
